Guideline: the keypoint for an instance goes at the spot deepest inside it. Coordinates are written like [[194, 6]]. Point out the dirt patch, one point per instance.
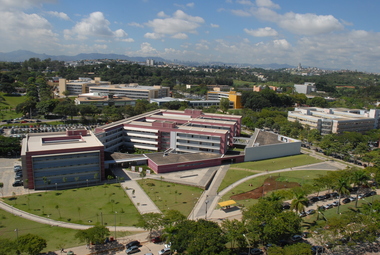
[[270, 184]]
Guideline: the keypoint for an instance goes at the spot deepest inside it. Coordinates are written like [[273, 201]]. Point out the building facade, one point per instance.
[[233, 96], [80, 86], [336, 120], [133, 91], [306, 88], [186, 131], [60, 160]]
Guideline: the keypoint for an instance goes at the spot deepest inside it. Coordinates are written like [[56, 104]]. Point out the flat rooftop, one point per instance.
[[173, 158], [59, 141]]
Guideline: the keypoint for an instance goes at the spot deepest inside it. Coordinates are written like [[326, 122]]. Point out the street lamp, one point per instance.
[[115, 225], [249, 244], [206, 202], [56, 187], [87, 182]]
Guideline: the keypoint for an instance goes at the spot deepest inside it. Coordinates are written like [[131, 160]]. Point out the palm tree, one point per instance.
[[359, 179], [299, 202], [342, 189]]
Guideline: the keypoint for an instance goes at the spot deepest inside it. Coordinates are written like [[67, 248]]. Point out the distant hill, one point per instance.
[[22, 55]]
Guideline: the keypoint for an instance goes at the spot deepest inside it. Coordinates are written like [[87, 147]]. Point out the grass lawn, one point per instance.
[[83, 205], [232, 176], [171, 196], [277, 163], [291, 176], [55, 237]]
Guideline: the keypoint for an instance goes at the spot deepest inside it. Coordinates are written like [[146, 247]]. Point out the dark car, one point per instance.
[[17, 183], [296, 238], [334, 194], [256, 251], [314, 199], [133, 243], [346, 200]]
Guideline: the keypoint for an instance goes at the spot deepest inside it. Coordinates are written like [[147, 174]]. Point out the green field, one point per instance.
[[171, 196], [277, 163], [8, 105], [302, 177], [83, 205]]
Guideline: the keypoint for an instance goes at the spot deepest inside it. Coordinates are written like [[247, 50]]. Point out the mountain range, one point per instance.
[[22, 55]]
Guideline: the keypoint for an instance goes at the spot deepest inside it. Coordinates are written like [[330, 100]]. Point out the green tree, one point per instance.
[[197, 237], [96, 234], [150, 222], [299, 202], [359, 179], [31, 244], [224, 104], [7, 247], [234, 231], [341, 187], [172, 217]]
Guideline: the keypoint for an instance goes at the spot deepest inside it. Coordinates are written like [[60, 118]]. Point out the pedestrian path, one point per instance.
[[139, 198]]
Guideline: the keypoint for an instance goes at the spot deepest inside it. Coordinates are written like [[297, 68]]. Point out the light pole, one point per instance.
[[56, 186], [115, 225], [249, 244], [206, 202], [87, 182]]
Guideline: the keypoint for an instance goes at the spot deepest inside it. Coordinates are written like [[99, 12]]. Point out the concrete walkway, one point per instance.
[[140, 199], [209, 197]]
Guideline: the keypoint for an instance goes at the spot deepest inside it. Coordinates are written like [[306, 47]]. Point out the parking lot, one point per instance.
[[7, 177]]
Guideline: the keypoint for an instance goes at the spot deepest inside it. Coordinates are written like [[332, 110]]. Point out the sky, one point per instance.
[[338, 34]]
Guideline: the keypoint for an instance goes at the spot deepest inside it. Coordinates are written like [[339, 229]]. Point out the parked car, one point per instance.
[[334, 195], [256, 251], [314, 199], [156, 239], [296, 238], [352, 198], [17, 183], [328, 206], [17, 168], [311, 211], [302, 214], [132, 249], [335, 203], [346, 200], [164, 251], [133, 243]]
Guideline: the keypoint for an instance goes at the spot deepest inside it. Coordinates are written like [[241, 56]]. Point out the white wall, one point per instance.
[[272, 151]]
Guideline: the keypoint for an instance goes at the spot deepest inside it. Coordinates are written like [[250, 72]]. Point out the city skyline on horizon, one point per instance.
[[331, 35]]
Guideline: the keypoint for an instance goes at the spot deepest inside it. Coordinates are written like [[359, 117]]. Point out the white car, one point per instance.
[[164, 251]]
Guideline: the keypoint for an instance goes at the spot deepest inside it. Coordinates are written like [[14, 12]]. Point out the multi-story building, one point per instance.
[[306, 88], [233, 96], [58, 160], [133, 91], [180, 131], [336, 120], [80, 86], [110, 100]]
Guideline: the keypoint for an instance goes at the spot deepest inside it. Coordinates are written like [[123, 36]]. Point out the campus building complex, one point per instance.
[[170, 141], [101, 101], [80, 86], [132, 90], [56, 160], [306, 88], [186, 131], [336, 120], [233, 96]]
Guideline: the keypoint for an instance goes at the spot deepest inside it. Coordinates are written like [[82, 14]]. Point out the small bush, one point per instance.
[[150, 184]]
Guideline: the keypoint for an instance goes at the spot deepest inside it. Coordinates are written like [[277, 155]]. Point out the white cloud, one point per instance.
[[95, 25], [190, 5], [244, 2], [180, 36], [214, 25], [241, 13], [129, 40], [60, 15], [267, 4], [135, 24], [309, 24], [261, 32], [153, 36], [162, 14], [179, 23], [12, 5]]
